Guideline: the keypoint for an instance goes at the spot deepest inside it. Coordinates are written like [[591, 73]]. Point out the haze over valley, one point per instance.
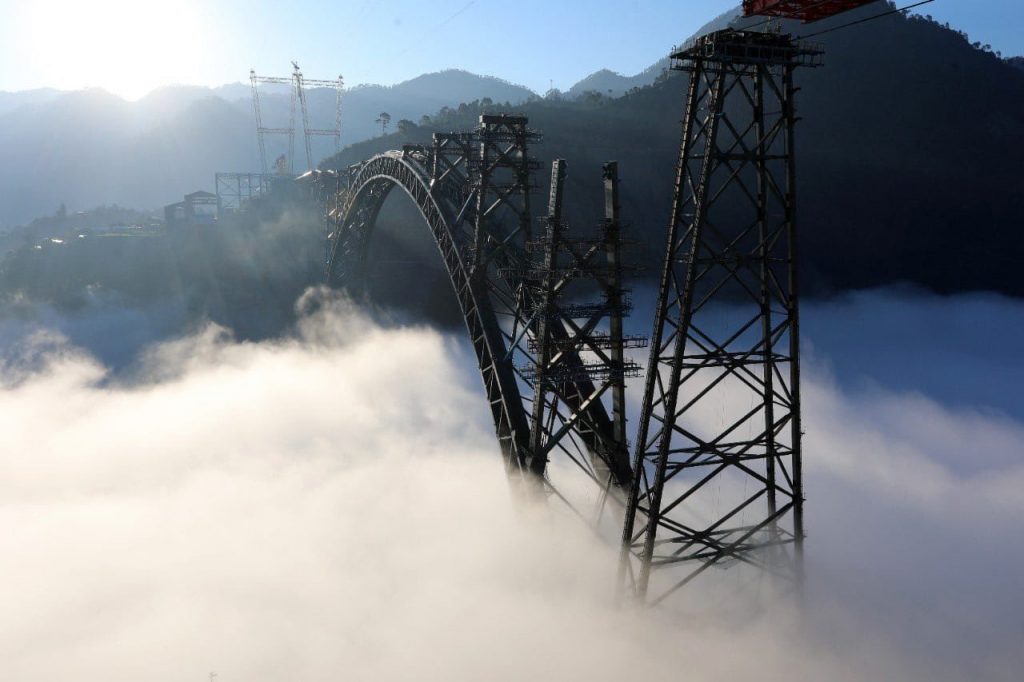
[[254, 440]]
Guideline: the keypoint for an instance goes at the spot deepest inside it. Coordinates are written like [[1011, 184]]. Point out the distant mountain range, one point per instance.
[[912, 139], [612, 84], [89, 147], [910, 146], [909, 171], [9, 101]]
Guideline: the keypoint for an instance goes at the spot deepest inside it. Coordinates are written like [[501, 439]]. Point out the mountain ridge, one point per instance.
[[75, 147], [909, 142], [615, 84], [908, 162]]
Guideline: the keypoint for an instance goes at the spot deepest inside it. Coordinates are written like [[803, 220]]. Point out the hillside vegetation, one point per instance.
[[909, 154]]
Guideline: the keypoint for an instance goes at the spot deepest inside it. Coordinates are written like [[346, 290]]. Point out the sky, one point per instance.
[[130, 48]]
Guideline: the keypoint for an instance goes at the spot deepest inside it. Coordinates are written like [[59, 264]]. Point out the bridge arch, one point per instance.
[[595, 466], [369, 188]]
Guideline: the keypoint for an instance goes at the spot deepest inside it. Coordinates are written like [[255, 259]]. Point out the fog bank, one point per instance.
[[332, 505]]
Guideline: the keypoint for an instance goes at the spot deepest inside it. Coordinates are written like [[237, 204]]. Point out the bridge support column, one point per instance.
[[717, 466]]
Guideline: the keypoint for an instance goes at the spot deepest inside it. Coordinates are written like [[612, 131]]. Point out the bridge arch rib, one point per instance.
[[374, 182], [577, 424]]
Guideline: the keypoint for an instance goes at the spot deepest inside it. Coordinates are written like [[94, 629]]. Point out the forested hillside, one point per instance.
[[89, 148], [909, 158], [909, 171]]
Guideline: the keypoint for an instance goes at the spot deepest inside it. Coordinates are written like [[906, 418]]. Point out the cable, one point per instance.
[[866, 19]]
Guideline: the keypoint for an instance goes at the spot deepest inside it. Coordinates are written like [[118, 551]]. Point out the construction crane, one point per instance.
[[809, 11], [804, 10], [298, 84]]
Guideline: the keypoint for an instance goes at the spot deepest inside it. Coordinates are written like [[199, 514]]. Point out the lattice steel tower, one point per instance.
[[717, 474], [297, 84]]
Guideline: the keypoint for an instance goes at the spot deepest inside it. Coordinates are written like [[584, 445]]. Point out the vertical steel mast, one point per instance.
[[616, 294], [262, 131], [297, 83], [577, 344], [717, 475], [300, 84]]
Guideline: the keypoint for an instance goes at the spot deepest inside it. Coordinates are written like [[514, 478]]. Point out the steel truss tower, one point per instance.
[[569, 348], [717, 470], [297, 84], [235, 189]]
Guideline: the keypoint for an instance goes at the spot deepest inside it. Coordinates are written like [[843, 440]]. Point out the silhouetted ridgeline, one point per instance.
[[909, 166], [90, 147], [909, 161]]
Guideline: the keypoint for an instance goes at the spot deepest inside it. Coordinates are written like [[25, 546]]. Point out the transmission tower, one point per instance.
[[717, 476], [297, 84]]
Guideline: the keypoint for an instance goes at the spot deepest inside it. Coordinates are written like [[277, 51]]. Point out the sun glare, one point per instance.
[[124, 46]]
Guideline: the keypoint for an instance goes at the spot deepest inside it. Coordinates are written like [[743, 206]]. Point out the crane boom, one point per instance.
[[805, 10]]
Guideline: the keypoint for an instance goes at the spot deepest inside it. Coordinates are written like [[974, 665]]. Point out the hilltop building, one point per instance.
[[198, 208]]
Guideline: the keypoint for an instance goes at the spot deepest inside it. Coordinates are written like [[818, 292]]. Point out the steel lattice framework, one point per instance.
[[297, 84], [235, 189], [717, 475], [548, 360]]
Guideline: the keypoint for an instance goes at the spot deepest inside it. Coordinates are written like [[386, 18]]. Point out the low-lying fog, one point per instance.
[[331, 506]]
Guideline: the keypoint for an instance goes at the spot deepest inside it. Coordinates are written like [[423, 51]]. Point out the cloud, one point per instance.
[[332, 505]]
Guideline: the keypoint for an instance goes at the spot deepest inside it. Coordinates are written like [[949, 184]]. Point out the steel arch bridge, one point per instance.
[[715, 477], [547, 367]]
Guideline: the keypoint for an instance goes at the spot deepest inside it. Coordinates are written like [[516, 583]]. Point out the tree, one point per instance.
[[405, 126], [384, 120]]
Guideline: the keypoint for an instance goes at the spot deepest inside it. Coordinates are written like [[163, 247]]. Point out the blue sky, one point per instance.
[[130, 47]]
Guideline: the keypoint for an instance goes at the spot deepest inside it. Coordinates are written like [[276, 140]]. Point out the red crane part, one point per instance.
[[805, 10]]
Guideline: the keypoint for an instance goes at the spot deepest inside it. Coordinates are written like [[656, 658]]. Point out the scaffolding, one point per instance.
[[235, 189]]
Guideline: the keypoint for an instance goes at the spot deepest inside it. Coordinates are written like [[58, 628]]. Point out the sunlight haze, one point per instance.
[[131, 48], [488, 341], [128, 48]]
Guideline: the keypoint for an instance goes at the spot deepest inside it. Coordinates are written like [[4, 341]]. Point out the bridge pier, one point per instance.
[[717, 469]]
